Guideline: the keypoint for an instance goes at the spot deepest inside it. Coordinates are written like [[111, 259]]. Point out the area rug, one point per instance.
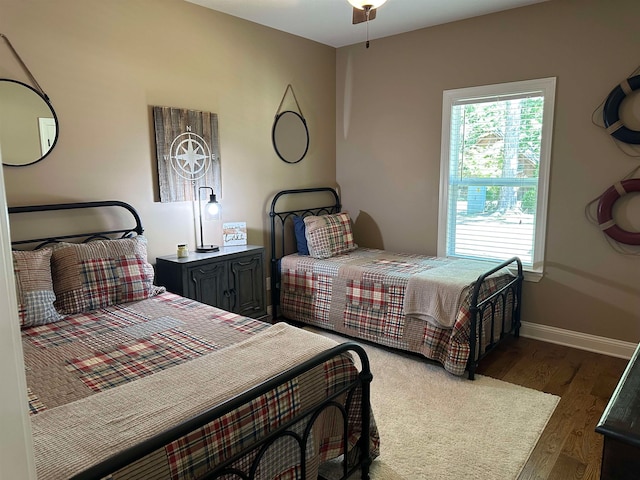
[[434, 425]]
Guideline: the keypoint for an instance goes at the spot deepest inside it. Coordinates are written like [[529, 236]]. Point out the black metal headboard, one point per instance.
[[284, 206], [79, 237]]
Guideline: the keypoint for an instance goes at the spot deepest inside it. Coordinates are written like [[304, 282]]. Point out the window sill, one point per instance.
[[531, 276]]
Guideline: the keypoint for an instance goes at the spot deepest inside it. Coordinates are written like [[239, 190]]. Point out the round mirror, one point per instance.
[[28, 124], [290, 136]]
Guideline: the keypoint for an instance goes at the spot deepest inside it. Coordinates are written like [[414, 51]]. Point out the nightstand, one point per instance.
[[231, 279]]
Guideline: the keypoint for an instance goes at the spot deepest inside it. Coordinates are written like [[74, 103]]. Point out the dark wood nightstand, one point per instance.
[[231, 279], [620, 425]]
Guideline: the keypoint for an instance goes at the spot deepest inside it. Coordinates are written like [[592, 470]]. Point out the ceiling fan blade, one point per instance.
[[360, 16]]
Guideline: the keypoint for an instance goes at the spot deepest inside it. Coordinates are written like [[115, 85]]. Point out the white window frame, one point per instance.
[[543, 86]]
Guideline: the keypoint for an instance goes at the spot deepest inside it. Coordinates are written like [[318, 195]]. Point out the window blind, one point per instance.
[[494, 150]]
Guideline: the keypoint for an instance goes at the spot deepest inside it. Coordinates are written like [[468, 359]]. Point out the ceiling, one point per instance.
[[329, 21]]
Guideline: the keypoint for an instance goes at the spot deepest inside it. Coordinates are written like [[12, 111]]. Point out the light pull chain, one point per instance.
[[367, 11]]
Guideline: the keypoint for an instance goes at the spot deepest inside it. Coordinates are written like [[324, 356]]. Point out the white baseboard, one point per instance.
[[582, 341]]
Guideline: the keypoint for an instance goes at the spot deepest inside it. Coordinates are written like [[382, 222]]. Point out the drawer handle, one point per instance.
[[244, 264]]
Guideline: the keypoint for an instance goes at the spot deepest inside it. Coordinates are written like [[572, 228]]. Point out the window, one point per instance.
[[496, 146]]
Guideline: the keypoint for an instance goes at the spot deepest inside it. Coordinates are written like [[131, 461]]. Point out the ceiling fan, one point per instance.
[[364, 11]]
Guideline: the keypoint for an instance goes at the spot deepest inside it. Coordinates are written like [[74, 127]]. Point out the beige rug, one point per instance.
[[434, 425]]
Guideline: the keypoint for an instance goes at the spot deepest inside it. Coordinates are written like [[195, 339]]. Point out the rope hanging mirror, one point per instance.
[[290, 135], [29, 124]]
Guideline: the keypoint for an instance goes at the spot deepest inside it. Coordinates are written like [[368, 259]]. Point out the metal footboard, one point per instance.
[[307, 418], [503, 303]]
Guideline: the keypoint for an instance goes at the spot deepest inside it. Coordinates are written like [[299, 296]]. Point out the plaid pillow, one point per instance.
[[329, 235], [88, 276], [34, 287]]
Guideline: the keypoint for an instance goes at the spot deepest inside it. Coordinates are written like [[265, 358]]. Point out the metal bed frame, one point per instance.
[[283, 243], [304, 419]]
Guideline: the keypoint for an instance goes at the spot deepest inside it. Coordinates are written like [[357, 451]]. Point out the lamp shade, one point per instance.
[[212, 208], [360, 4]]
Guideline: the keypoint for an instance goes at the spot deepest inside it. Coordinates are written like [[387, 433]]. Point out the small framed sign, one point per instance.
[[234, 233]]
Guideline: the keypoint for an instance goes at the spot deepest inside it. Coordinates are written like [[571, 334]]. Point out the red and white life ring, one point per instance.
[[605, 211]]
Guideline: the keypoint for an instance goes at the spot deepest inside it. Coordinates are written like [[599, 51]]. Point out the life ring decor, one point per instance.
[[605, 211], [611, 112]]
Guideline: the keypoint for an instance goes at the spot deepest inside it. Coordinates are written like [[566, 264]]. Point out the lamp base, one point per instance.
[[207, 248]]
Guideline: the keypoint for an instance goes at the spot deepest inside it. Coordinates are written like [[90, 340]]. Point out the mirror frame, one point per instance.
[[55, 118], [273, 136]]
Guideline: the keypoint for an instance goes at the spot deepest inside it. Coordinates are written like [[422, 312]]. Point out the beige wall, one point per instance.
[[105, 63], [389, 113]]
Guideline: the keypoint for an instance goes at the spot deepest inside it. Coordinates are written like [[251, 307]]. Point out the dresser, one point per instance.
[[231, 278], [620, 426]]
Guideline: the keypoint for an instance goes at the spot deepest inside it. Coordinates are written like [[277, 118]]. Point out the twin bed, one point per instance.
[[453, 311], [126, 380]]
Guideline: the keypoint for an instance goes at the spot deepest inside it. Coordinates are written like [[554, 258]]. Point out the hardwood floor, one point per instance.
[[569, 447]]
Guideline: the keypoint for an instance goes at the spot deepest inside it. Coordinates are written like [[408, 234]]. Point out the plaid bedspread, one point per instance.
[[362, 294], [69, 361]]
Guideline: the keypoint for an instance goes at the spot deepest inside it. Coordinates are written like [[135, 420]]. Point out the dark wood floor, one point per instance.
[[569, 448]]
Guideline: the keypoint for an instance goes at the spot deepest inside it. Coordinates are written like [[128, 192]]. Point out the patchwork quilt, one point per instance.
[[364, 293], [155, 360]]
